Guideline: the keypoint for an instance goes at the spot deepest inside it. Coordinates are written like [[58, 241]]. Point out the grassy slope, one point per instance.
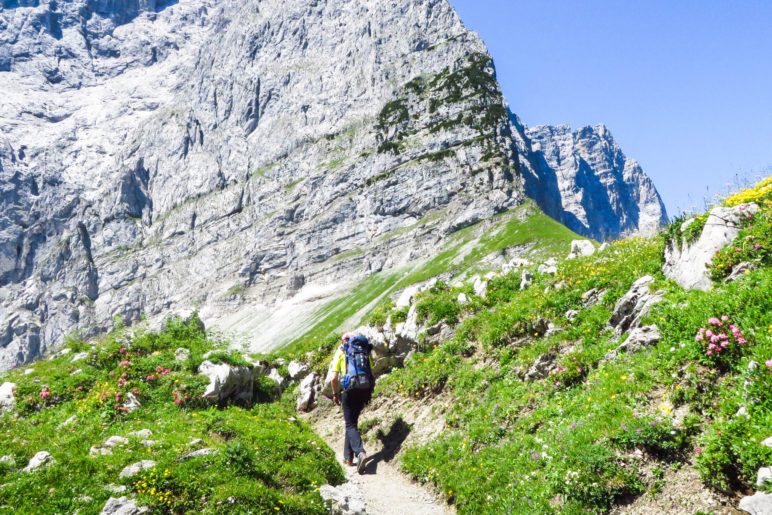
[[565, 443], [264, 460], [543, 234]]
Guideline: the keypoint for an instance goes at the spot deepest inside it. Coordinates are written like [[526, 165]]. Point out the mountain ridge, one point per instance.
[[139, 174]]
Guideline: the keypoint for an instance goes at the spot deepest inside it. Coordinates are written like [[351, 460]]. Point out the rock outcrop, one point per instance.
[[634, 305], [687, 262], [583, 179], [228, 382], [7, 396]]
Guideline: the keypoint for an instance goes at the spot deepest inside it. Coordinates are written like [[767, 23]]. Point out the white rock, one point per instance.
[[181, 354], [406, 297], [70, 421], [228, 382], [687, 263], [757, 504], [763, 476], [39, 460], [307, 392], [767, 442], [634, 305], [462, 298], [116, 489], [480, 287], [276, 377], [297, 370], [135, 468], [8, 460], [197, 454], [408, 330], [148, 443], [131, 403], [7, 396], [79, 357], [549, 267], [346, 499], [122, 506], [142, 433], [29, 371], [581, 248], [639, 338], [603, 247], [526, 279]]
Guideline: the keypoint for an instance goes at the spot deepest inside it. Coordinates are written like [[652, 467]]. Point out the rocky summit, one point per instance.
[[228, 156]]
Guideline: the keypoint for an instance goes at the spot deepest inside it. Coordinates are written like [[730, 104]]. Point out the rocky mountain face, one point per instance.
[[195, 154], [583, 179]]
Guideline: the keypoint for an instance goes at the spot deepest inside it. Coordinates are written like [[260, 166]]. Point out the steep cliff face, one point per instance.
[[269, 143], [583, 179], [226, 156]]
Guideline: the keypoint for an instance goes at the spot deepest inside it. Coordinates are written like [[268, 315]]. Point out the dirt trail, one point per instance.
[[385, 490]]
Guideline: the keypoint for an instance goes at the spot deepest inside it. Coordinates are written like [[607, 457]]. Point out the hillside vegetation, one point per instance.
[[547, 405]]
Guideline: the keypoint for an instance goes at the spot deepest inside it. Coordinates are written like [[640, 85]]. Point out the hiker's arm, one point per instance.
[[335, 387]]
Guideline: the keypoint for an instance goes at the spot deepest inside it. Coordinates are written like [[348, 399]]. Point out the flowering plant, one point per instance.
[[721, 340]]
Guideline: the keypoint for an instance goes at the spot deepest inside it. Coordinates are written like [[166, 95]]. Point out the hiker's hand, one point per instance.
[[336, 399]]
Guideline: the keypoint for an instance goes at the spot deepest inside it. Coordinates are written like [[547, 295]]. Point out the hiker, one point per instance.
[[352, 387]]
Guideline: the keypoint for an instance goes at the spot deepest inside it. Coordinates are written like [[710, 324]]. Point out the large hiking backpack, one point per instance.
[[358, 376]]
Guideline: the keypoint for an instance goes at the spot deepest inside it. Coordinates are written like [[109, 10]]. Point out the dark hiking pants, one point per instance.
[[353, 402]]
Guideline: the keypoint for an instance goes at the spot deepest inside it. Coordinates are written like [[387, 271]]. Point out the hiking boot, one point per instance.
[[350, 463], [361, 462]]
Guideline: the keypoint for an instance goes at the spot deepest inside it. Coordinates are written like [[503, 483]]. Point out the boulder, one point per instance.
[[592, 297], [198, 454], [275, 376], [8, 460], [346, 499], [408, 330], [571, 314], [405, 298], [297, 370], [581, 248], [131, 403], [767, 442], [480, 287], [142, 433], [549, 267], [107, 447], [639, 338], [526, 279], [227, 382], [7, 396], [686, 263], [379, 340], [135, 468], [122, 506], [182, 354], [40, 460], [634, 305], [603, 247], [462, 299], [757, 504], [739, 271], [540, 368], [307, 392], [763, 476], [80, 356]]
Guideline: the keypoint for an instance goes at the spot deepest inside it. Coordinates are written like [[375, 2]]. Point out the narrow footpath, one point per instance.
[[384, 489]]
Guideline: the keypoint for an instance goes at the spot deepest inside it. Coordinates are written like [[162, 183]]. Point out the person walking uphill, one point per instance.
[[352, 388]]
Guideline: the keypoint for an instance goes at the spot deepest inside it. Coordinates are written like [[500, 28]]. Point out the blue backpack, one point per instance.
[[358, 376]]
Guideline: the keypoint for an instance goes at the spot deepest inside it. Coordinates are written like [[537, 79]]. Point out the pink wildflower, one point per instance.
[[757, 246], [708, 333], [45, 393], [742, 341], [768, 363], [714, 321], [724, 318], [698, 450], [125, 363]]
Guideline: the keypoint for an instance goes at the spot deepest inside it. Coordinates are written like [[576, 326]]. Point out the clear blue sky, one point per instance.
[[685, 86]]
